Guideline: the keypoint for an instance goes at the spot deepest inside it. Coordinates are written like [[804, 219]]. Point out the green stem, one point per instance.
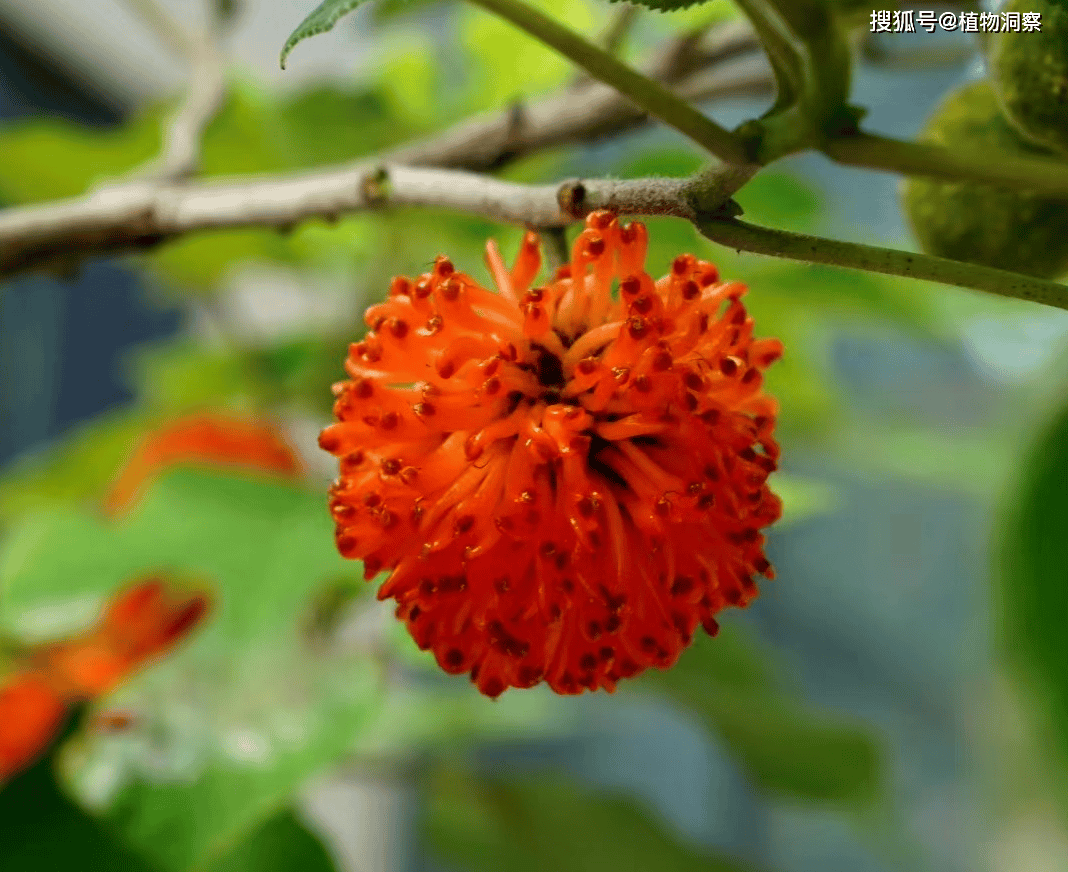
[[813, 249], [811, 58], [1040, 174], [781, 53], [651, 96], [617, 32]]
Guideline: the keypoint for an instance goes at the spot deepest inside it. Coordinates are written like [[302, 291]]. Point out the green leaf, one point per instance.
[[269, 710], [782, 200], [450, 720], [830, 291], [321, 20], [1032, 595], [486, 826], [169, 378], [217, 526], [76, 468], [281, 844], [969, 460], [388, 10], [177, 376], [803, 498], [785, 747], [505, 64], [43, 830], [51, 159], [205, 824]]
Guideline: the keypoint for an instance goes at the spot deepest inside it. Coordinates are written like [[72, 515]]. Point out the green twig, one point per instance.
[[653, 97], [811, 58], [813, 249], [1040, 174], [782, 54], [616, 34], [824, 51]]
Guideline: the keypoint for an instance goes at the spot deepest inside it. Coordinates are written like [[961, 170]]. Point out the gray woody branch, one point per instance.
[[180, 156], [704, 200], [140, 213]]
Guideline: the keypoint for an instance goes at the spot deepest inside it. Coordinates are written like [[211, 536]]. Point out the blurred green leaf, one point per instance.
[[1032, 595], [43, 830], [269, 712], [660, 161], [281, 844], [549, 824], [74, 469], [221, 527], [200, 262], [966, 459], [452, 719], [205, 825], [505, 64], [411, 78], [387, 10], [47, 159], [176, 377], [782, 200], [321, 20], [803, 498], [827, 291], [784, 746], [256, 131]]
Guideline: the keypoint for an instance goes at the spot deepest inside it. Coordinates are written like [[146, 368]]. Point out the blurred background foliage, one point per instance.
[[897, 699]]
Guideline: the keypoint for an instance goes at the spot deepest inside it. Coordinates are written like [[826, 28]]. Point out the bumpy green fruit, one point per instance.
[[1030, 73], [998, 227]]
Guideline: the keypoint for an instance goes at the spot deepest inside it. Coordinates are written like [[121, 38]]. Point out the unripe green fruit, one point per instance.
[[999, 227], [1030, 74]]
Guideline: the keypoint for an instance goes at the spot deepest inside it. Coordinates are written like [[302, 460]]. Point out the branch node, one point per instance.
[[374, 187], [727, 210], [571, 197]]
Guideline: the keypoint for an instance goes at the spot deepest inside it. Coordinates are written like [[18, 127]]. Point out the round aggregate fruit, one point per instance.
[[999, 227], [1030, 73]]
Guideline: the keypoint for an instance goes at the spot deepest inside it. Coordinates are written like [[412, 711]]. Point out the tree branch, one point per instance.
[[613, 37], [180, 156], [576, 116], [472, 193], [813, 249], [131, 217], [700, 200], [1040, 174], [169, 30], [653, 97], [140, 213], [616, 34]]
